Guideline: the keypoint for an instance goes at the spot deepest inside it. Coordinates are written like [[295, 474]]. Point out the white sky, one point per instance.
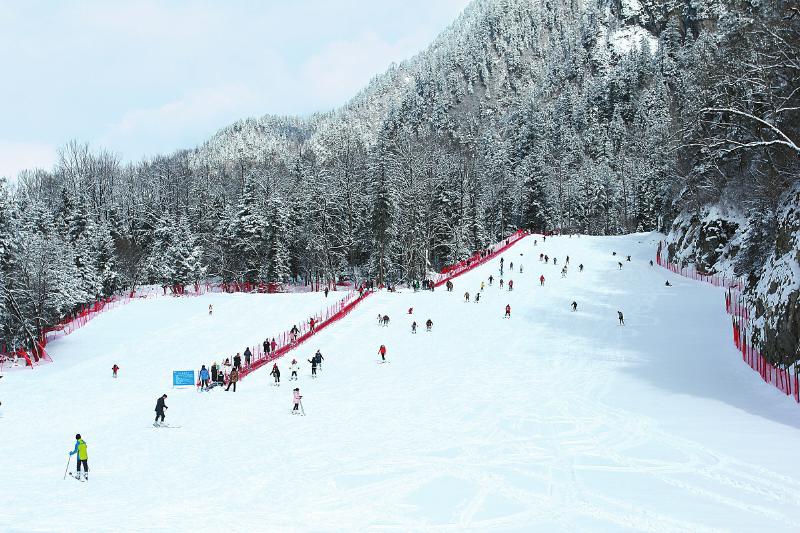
[[145, 77]]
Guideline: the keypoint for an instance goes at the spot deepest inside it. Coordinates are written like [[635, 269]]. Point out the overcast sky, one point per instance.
[[146, 77]]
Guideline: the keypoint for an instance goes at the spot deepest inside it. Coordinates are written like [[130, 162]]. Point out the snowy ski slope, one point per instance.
[[549, 421]]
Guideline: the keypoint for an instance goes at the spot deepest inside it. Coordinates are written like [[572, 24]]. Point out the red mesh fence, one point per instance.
[[784, 379], [478, 258]]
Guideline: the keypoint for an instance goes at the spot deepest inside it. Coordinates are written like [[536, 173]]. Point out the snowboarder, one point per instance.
[[83, 458], [204, 377], [621, 318], [429, 325], [414, 327], [114, 369], [160, 406], [232, 379], [574, 306], [247, 355], [511, 284], [276, 373], [508, 311], [313, 362], [382, 351], [466, 296], [296, 397], [541, 280]]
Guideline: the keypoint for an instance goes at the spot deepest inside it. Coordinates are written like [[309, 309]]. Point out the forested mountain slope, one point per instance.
[[590, 116]]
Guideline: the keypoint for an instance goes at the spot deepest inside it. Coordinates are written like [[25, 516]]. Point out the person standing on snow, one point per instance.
[[296, 397], [477, 297], [114, 369], [160, 406], [293, 368], [232, 379], [318, 358], [508, 311], [83, 458], [541, 280], [574, 306], [429, 324], [204, 377], [210, 309], [276, 373], [382, 351], [580, 267], [621, 318], [326, 292], [501, 283], [414, 327], [237, 361], [466, 296], [511, 284], [313, 362], [491, 278], [247, 355], [266, 347], [273, 344]]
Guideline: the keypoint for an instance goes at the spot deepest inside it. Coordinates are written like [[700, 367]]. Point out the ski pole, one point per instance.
[[301, 410], [67, 468]]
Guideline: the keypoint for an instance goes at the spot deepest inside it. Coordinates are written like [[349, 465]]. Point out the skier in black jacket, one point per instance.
[[318, 358], [313, 362], [160, 406]]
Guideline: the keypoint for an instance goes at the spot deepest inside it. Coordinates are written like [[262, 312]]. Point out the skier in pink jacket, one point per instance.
[[297, 399]]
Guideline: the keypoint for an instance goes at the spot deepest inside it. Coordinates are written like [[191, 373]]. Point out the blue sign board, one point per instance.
[[181, 378]]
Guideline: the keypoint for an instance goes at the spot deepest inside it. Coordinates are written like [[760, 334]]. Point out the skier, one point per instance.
[[319, 358], [382, 351], [628, 258], [296, 397], [293, 368], [410, 310], [114, 369], [567, 259], [541, 280], [482, 286], [247, 355], [546, 259], [83, 458], [210, 309], [385, 320], [651, 262], [580, 267], [273, 344], [311, 324], [541, 257], [237, 361], [326, 292], [666, 284], [620, 265], [276, 373], [564, 272], [266, 346], [313, 362], [477, 297], [429, 325], [511, 266], [214, 372], [466, 296], [232, 379], [491, 279], [414, 327], [380, 319], [508, 311], [501, 262], [555, 261], [621, 318], [520, 269], [204, 377], [160, 406], [511, 284], [501, 283], [574, 306]]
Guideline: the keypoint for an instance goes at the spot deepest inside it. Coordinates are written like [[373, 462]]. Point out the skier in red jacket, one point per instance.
[[508, 311], [114, 369], [382, 351], [541, 280]]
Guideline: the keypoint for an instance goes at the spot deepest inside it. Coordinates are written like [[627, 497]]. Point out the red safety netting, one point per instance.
[[478, 258], [784, 379]]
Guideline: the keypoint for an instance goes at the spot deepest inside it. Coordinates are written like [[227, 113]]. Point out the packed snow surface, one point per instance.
[[551, 420]]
